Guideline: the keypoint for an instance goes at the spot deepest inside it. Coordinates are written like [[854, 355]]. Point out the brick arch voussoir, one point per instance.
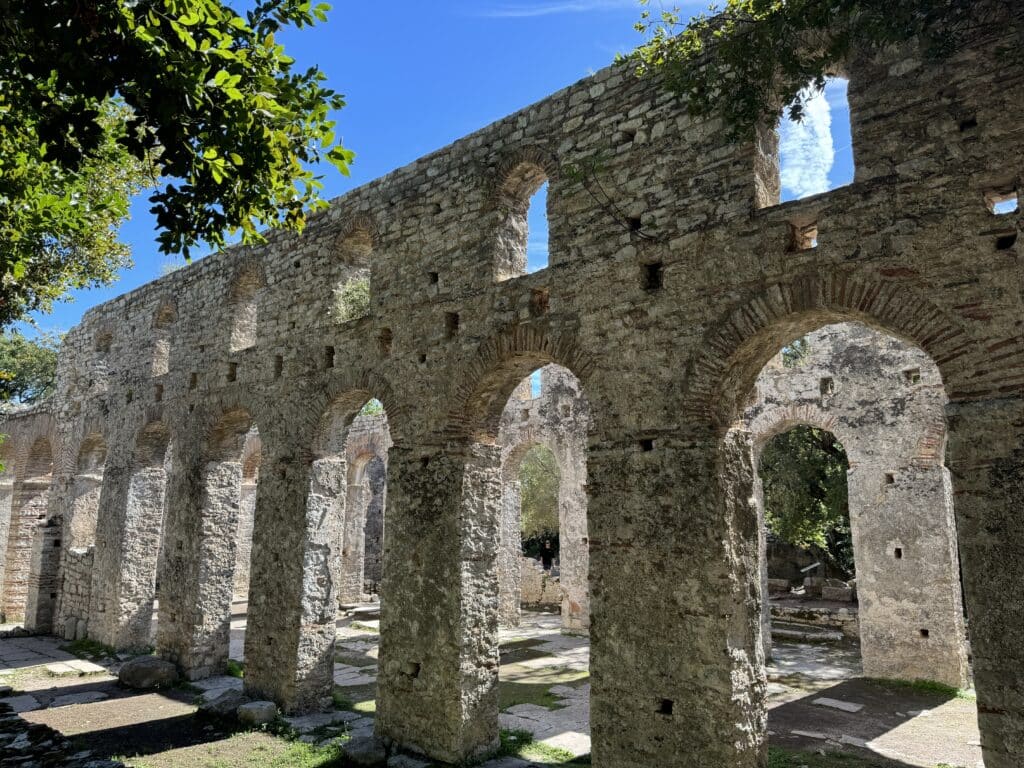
[[782, 418], [784, 311], [504, 184], [499, 364]]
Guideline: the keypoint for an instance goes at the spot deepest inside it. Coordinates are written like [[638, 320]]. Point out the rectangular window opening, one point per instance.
[[802, 237], [647, 444], [898, 553], [1002, 203], [232, 371], [328, 357], [278, 366]]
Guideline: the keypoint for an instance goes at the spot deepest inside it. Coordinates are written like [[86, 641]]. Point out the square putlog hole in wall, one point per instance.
[[451, 324], [647, 444], [890, 478], [328, 357], [827, 386], [803, 236], [898, 553], [232, 372], [652, 276], [1006, 240], [666, 706], [384, 342], [912, 375]]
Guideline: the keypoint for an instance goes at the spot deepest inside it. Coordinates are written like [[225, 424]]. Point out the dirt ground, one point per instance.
[[544, 696]]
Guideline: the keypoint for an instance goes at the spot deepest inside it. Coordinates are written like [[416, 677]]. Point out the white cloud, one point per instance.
[[806, 152], [552, 7]]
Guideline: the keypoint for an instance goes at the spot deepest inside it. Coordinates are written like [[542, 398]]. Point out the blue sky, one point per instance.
[[419, 75]]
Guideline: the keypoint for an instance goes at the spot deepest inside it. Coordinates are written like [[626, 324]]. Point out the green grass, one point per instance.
[[295, 754], [926, 686], [89, 649], [521, 744], [235, 668], [359, 698], [778, 758], [531, 691], [363, 627]]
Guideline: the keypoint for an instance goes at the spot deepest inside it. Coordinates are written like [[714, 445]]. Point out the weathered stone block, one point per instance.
[[147, 672]]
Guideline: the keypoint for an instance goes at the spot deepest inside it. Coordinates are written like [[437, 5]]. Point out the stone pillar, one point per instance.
[[43, 579], [908, 573], [243, 553], [673, 539], [30, 501], [195, 596], [353, 538], [373, 539], [986, 460], [510, 569], [6, 497], [573, 548], [289, 641], [437, 689], [762, 559]]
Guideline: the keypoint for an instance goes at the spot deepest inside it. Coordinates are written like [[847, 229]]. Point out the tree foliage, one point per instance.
[[204, 97], [351, 300], [747, 59], [538, 483], [28, 367], [58, 230], [805, 493]]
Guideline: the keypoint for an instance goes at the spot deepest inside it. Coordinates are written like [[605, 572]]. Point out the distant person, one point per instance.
[[547, 555]]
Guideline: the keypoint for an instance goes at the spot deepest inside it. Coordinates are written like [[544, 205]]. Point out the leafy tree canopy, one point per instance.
[[805, 494], [28, 367], [59, 229], [203, 97], [746, 59], [538, 485]]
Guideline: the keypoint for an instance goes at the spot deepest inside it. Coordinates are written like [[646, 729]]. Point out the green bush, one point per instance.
[[352, 300]]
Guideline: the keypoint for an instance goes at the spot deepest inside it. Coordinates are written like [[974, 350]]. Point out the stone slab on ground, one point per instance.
[[257, 712], [85, 697], [845, 706], [86, 667], [307, 723], [23, 703]]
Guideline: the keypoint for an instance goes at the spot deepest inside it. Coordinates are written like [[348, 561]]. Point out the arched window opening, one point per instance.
[[244, 308], [163, 319], [251, 454], [811, 150], [522, 239], [350, 297]]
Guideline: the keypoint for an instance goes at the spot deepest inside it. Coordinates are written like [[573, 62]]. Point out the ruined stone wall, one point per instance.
[[884, 400], [665, 305], [76, 583]]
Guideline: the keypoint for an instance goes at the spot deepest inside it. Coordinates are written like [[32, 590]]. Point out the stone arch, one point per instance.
[[776, 421], [500, 363], [356, 240], [737, 348], [243, 305]]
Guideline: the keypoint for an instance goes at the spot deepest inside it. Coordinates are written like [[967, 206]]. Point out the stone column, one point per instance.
[[908, 573], [30, 501], [573, 548], [243, 553], [6, 497], [373, 539], [510, 553], [353, 538], [437, 689], [986, 460], [44, 579], [195, 596], [289, 640], [762, 564], [673, 539]]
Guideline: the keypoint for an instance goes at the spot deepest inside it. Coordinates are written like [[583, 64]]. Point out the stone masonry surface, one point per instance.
[[665, 307]]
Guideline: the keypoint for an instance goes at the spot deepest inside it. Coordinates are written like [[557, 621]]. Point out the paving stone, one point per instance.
[[86, 697], [22, 703], [86, 667], [845, 706], [60, 669]]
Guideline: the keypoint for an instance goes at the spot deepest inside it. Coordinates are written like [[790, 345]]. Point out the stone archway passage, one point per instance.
[[29, 503], [884, 400]]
